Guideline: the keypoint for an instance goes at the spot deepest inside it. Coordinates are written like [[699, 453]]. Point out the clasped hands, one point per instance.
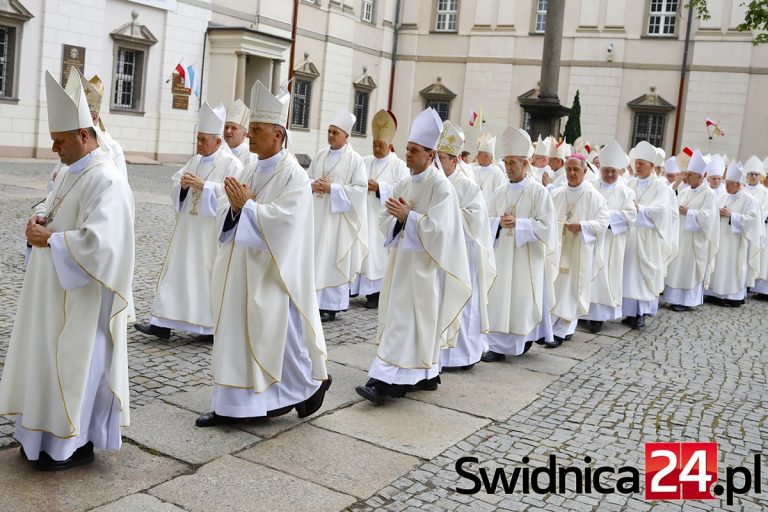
[[399, 209], [190, 180], [321, 186], [36, 232], [725, 212], [237, 193], [508, 221]]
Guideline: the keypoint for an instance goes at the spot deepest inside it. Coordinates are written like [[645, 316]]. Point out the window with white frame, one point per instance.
[[302, 97], [447, 12], [362, 99], [662, 17], [367, 11], [129, 65], [540, 23], [5, 52]]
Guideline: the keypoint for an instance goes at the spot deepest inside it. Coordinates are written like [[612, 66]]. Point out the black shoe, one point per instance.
[[208, 338], [163, 333], [211, 419], [23, 453], [728, 303], [595, 326], [540, 341], [327, 316], [279, 412], [312, 404], [82, 456], [679, 308], [492, 357], [371, 394], [628, 320], [639, 323], [554, 344], [568, 337], [713, 300], [426, 385], [528, 345], [468, 367], [372, 301]]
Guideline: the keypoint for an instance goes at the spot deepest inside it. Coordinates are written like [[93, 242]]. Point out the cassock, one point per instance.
[[733, 264], [688, 274], [183, 297], [580, 253], [269, 350], [526, 267], [66, 371], [427, 282], [387, 172], [607, 293], [759, 281], [489, 178], [651, 244], [470, 342], [341, 224], [243, 153]]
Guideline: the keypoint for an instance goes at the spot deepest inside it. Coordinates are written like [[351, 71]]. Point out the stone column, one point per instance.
[[553, 42], [240, 78], [275, 76]]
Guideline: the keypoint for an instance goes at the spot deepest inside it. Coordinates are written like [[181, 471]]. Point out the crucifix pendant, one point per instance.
[[511, 210]]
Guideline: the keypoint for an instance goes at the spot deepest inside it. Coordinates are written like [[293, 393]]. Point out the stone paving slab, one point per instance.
[[172, 431], [577, 348], [138, 503], [404, 425], [357, 356], [112, 476], [544, 360], [613, 329], [236, 485], [333, 460], [490, 390], [342, 393]]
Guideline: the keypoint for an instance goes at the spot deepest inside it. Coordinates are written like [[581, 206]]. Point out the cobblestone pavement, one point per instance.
[[696, 376]]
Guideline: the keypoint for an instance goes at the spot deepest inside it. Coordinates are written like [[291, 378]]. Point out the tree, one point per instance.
[[573, 126], [756, 17]]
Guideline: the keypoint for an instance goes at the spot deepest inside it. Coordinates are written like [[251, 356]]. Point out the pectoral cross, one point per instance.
[[195, 201], [511, 210]]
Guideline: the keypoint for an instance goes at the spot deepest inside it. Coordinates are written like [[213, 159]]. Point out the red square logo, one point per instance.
[[675, 471]]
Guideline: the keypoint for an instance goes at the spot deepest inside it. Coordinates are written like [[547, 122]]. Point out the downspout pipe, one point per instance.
[[293, 56], [683, 72], [394, 55]]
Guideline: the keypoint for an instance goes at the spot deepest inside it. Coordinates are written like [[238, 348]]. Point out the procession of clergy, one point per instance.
[[465, 263]]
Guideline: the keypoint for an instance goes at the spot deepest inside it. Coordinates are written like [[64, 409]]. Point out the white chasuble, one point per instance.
[[263, 288], [470, 342], [580, 253], [427, 282], [243, 153], [183, 297], [526, 267], [605, 303], [699, 232], [386, 172], [759, 281], [66, 367], [113, 149], [651, 243], [341, 225], [734, 263], [489, 178]]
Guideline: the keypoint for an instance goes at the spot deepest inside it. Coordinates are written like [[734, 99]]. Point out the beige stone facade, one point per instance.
[[466, 55]]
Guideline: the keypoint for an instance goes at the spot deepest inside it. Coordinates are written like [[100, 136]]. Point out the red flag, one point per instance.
[[180, 70], [688, 151]]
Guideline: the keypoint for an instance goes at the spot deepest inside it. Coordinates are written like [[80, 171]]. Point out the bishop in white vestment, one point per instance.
[[339, 186], [524, 227], [740, 225], [753, 170], [606, 298], [487, 174], [384, 169], [651, 242], [427, 282], [66, 371], [470, 342], [583, 218], [269, 356], [183, 296], [688, 274], [236, 132]]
